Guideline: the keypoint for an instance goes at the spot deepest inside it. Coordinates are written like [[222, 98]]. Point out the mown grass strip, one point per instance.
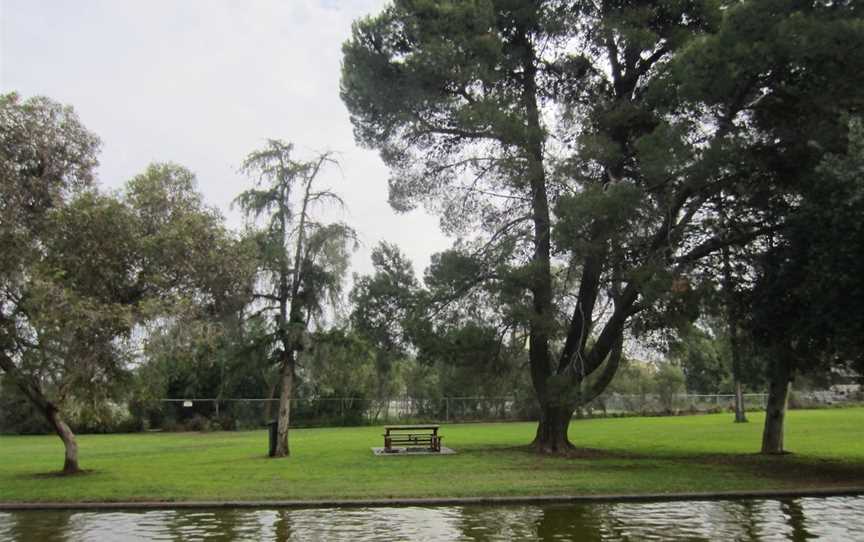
[[618, 456]]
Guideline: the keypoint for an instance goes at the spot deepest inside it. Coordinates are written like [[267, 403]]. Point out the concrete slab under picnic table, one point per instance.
[[403, 451]]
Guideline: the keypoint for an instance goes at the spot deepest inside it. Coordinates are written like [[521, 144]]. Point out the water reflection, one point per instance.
[[836, 518]]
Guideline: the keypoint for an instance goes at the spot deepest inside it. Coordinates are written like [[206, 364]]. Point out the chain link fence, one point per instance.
[[239, 413], [229, 414]]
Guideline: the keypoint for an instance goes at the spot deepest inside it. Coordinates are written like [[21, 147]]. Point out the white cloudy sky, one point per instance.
[[204, 82]]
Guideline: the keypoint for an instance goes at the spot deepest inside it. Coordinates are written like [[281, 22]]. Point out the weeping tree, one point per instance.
[[589, 144], [302, 261]]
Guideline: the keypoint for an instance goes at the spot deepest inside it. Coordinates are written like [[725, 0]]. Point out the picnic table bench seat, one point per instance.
[[412, 436]]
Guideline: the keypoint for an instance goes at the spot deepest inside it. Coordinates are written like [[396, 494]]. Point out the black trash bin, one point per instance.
[[273, 430]]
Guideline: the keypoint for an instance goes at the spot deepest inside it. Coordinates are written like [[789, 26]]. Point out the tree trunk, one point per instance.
[[32, 390], [551, 435], [70, 461], [285, 393], [740, 414], [775, 412], [270, 393], [734, 343], [552, 428]]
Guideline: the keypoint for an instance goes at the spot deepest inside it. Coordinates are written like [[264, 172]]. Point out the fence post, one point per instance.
[[446, 409]]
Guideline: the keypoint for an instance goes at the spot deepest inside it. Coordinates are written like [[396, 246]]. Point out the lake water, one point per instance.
[[832, 518]]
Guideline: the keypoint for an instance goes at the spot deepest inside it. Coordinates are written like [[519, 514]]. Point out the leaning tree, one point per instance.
[[71, 293], [585, 148], [46, 154]]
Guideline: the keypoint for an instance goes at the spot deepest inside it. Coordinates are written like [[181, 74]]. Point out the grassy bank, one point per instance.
[[632, 455]]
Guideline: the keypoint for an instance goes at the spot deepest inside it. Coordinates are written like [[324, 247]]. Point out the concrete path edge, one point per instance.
[[436, 501]]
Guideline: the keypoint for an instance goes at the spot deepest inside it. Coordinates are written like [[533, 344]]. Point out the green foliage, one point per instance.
[[808, 295], [385, 313], [339, 364], [590, 219], [17, 415], [634, 378], [669, 382], [305, 261], [383, 302], [704, 360], [73, 295], [197, 357], [45, 155], [555, 139]]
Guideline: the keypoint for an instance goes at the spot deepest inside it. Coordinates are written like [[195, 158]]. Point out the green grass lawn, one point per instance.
[[624, 455]]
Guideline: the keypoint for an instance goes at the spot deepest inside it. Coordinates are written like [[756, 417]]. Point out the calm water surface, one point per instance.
[[835, 518]]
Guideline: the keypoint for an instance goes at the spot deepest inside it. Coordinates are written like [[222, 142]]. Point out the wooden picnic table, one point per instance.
[[412, 436]]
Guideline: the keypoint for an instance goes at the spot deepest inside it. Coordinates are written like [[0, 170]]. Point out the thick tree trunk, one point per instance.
[[285, 394], [775, 412], [552, 428], [551, 435], [33, 392], [70, 461], [740, 414]]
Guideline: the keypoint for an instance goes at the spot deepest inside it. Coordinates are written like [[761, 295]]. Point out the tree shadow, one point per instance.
[[581, 453], [55, 474]]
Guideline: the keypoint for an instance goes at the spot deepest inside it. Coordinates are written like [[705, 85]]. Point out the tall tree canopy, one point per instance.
[[592, 145]]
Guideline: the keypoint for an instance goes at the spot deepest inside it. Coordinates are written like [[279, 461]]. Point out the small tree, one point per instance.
[[302, 261], [382, 305], [669, 382]]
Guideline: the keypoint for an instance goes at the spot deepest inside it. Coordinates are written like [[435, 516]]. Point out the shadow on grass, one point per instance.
[[802, 471], [581, 453], [58, 474]]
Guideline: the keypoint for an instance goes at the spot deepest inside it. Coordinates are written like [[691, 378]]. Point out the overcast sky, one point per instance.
[[202, 83]]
